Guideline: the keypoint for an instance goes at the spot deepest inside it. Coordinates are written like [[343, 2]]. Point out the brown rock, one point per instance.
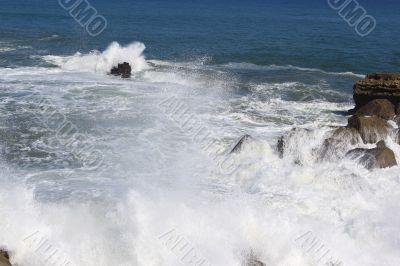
[[4, 258], [371, 128], [379, 107], [377, 86], [254, 262], [379, 157], [347, 134]]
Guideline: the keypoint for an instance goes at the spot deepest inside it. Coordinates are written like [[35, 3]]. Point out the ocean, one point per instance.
[[99, 170]]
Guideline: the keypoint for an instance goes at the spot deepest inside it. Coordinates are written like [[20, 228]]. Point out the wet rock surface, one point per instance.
[[124, 70], [382, 108], [371, 128], [379, 157]]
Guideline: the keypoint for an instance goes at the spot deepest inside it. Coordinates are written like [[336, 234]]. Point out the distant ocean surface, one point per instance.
[[227, 68], [263, 32]]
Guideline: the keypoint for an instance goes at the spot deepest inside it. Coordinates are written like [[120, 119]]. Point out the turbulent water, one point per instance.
[[147, 178]]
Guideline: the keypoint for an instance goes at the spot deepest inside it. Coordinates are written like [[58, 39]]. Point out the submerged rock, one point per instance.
[[377, 86], [124, 70], [284, 142], [238, 147], [371, 128], [382, 108], [4, 258], [336, 146], [379, 157]]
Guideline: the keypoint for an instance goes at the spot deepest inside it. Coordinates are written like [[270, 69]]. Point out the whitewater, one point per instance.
[[160, 196]]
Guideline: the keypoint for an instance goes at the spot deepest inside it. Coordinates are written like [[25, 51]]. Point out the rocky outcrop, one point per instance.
[[382, 108], [239, 146], [377, 99], [4, 258], [371, 128], [124, 70], [379, 157], [377, 86]]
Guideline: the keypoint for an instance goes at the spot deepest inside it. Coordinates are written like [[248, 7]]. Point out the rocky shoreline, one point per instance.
[[375, 118]]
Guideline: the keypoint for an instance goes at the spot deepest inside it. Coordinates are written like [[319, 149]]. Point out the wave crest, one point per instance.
[[102, 62]]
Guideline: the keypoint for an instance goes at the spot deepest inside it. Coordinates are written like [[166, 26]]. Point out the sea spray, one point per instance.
[[102, 62]]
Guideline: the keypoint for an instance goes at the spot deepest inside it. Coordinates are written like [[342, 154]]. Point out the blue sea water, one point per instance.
[[263, 32], [140, 180]]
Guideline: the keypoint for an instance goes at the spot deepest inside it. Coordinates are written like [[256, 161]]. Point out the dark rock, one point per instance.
[[398, 109], [4, 258], [379, 157], [371, 128], [124, 70], [380, 107], [238, 147], [377, 86]]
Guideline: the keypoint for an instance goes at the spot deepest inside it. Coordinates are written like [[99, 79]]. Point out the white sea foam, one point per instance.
[[157, 179], [7, 49], [102, 62], [288, 67]]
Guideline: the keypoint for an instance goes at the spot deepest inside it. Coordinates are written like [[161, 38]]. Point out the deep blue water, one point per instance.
[[300, 33]]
